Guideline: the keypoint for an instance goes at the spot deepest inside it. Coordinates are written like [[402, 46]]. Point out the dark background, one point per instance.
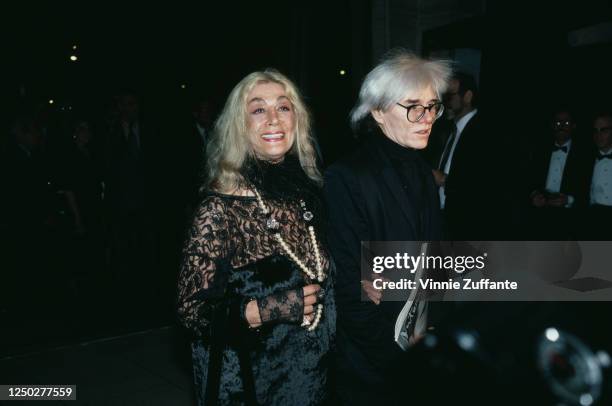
[[528, 68]]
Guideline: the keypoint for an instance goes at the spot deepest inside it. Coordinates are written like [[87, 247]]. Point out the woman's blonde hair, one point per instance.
[[230, 146]]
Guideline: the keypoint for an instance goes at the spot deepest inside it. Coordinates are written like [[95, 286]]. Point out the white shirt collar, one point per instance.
[[462, 122], [567, 144], [201, 129]]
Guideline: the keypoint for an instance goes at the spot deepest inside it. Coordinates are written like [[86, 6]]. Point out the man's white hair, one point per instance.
[[399, 74]]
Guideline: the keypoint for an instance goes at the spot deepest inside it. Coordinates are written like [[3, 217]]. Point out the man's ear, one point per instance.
[[467, 97], [378, 116]]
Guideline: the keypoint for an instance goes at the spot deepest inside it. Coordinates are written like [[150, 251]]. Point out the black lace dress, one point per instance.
[[229, 245]]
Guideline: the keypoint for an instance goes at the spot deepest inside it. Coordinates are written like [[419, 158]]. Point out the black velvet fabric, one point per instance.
[[229, 250]]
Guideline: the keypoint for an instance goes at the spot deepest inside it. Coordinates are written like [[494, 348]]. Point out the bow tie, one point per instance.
[[558, 148], [604, 156]]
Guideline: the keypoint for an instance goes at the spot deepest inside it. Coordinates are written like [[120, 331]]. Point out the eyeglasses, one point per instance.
[[559, 124], [415, 112], [601, 130]]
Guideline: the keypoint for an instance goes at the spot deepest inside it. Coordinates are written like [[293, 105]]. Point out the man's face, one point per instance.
[[129, 107], [395, 125], [452, 99], [563, 127], [602, 133]]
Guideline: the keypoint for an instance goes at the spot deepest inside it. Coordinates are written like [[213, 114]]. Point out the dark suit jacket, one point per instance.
[[472, 191], [192, 157], [130, 181], [366, 202]]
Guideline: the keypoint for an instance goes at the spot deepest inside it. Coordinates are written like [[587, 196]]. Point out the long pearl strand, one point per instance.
[[319, 275]]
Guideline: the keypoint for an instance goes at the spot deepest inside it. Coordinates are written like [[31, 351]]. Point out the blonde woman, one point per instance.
[[255, 286]]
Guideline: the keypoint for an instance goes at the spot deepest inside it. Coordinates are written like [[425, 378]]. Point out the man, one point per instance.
[[131, 197], [462, 174], [599, 212], [383, 192], [559, 180], [202, 117], [191, 155], [28, 215]]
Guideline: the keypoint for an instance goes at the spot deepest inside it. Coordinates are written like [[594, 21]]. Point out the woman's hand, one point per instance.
[[252, 314], [310, 299], [287, 306]]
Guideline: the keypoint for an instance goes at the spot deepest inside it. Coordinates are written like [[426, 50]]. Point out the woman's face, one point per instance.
[[395, 125], [270, 121]]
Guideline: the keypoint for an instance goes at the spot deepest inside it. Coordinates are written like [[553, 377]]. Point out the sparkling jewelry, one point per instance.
[[273, 225], [307, 213]]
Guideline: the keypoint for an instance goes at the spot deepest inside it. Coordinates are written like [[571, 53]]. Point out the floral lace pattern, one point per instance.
[[231, 230], [229, 245], [285, 306]]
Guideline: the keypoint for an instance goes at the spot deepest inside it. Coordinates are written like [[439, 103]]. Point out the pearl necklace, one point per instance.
[[273, 225]]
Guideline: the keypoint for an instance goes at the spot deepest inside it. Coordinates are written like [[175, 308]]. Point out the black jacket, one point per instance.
[[367, 202]]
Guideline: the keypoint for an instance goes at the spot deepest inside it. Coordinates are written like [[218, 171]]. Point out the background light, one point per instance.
[[183, 86], [73, 58], [586, 399], [342, 72], [51, 101], [552, 334], [74, 47]]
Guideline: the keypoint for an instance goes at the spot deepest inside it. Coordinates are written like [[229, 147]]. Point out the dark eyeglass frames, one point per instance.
[[559, 124], [601, 130], [415, 112]]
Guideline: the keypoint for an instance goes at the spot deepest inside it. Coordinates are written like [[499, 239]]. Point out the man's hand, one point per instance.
[[375, 295], [439, 177], [538, 199], [559, 200]]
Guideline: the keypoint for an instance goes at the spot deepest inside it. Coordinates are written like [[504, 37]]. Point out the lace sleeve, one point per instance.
[[286, 306], [201, 280]]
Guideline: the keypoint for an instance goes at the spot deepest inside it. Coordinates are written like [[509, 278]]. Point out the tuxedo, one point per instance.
[[575, 175], [600, 190], [596, 217], [382, 192], [558, 223]]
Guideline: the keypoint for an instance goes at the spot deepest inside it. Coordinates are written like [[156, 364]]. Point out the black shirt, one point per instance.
[[416, 180]]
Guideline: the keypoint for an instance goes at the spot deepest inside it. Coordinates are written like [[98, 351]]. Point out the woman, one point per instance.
[[255, 285], [383, 192]]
